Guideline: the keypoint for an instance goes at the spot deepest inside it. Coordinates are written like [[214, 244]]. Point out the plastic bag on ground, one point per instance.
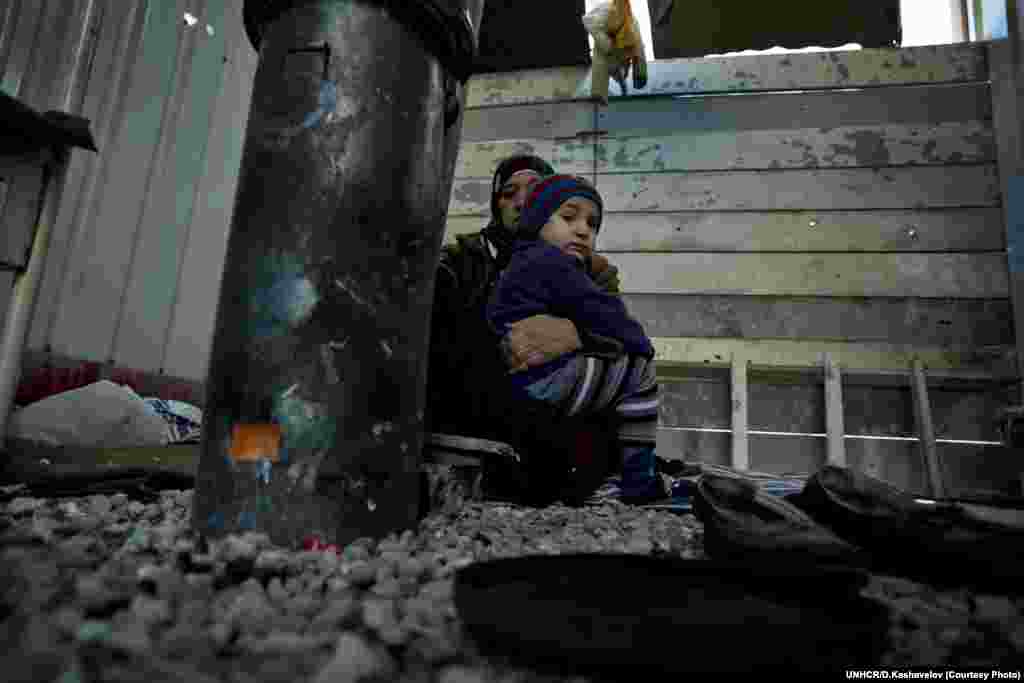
[[99, 415]]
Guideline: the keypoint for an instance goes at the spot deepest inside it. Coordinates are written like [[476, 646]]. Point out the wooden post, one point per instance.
[[1006, 62], [834, 412], [740, 452], [926, 430]]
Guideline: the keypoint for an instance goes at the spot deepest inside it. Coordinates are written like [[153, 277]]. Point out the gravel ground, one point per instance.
[[104, 588]]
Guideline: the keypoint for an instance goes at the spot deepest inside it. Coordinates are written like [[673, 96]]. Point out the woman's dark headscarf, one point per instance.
[[501, 236]]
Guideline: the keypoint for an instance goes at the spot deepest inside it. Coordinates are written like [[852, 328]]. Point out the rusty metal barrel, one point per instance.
[[316, 380]]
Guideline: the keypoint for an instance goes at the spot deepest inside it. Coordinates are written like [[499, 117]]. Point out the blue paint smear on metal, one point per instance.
[[246, 520], [1015, 223], [327, 102], [215, 520]]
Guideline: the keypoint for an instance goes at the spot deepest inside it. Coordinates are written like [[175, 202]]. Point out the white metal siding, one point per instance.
[[138, 249]]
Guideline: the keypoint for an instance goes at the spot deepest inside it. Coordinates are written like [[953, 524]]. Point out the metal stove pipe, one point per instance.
[[314, 411]]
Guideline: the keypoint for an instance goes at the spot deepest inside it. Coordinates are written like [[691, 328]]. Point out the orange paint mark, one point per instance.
[[253, 442]]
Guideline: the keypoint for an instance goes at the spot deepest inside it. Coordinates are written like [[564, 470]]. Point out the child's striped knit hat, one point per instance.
[[548, 195]]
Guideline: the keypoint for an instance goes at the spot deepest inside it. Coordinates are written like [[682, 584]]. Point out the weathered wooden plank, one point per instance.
[[167, 216], [794, 190], [964, 323], [836, 452], [965, 276], [796, 354], [848, 146], [883, 145], [1007, 61], [107, 78], [699, 403], [87, 321], [544, 121], [926, 431], [192, 323], [786, 455], [897, 462], [479, 159], [800, 231], [675, 115], [803, 71], [740, 453]]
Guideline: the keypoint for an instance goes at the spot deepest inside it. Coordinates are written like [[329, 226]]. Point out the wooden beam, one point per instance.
[[695, 114], [819, 147], [926, 431], [795, 71], [740, 452], [834, 189], [834, 412], [786, 353], [935, 323], [905, 230], [1006, 60], [937, 276]]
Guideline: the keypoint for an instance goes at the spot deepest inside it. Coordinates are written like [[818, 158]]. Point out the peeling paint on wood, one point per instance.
[[781, 353], [795, 190], [802, 231], [938, 323], [479, 159], [836, 189], [889, 145], [961, 276], [806, 71]]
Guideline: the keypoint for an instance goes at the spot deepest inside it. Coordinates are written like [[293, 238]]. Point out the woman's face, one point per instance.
[[512, 195], [573, 227]]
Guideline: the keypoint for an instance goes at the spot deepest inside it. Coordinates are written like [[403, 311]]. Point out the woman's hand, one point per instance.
[[536, 340]]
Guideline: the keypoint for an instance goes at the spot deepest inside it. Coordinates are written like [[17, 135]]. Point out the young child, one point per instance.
[[549, 273]]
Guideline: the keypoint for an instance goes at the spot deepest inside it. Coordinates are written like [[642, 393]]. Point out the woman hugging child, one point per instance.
[[549, 273]]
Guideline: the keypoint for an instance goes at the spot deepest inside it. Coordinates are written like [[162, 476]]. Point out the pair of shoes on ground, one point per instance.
[[845, 516]]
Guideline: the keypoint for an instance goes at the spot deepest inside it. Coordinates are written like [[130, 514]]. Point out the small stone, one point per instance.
[[280, 644], [354, 553], [131, 637], [639, 545], [193, 613], [151, 611], [271, 562], [293, 585], [304, 605], [235, 548], [94, 632], [385, 571], [361, 574], [288, 623], [67, 620], [135, 508], [221, 634], [461, 674], [337, 585], [276, 591], [354, 660], [340, 612], [438, 590], [152, 512], [379, 614], [394, 635], [199, 586], [389, 588], [100, 505], [411, 568]]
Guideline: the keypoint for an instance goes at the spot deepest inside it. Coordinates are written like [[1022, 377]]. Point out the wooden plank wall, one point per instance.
[[781, 207]]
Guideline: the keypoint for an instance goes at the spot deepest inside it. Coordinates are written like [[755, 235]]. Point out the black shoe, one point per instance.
[[740, 520]]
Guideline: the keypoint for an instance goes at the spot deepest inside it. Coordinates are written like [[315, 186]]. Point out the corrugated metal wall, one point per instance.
[[138, 248]]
